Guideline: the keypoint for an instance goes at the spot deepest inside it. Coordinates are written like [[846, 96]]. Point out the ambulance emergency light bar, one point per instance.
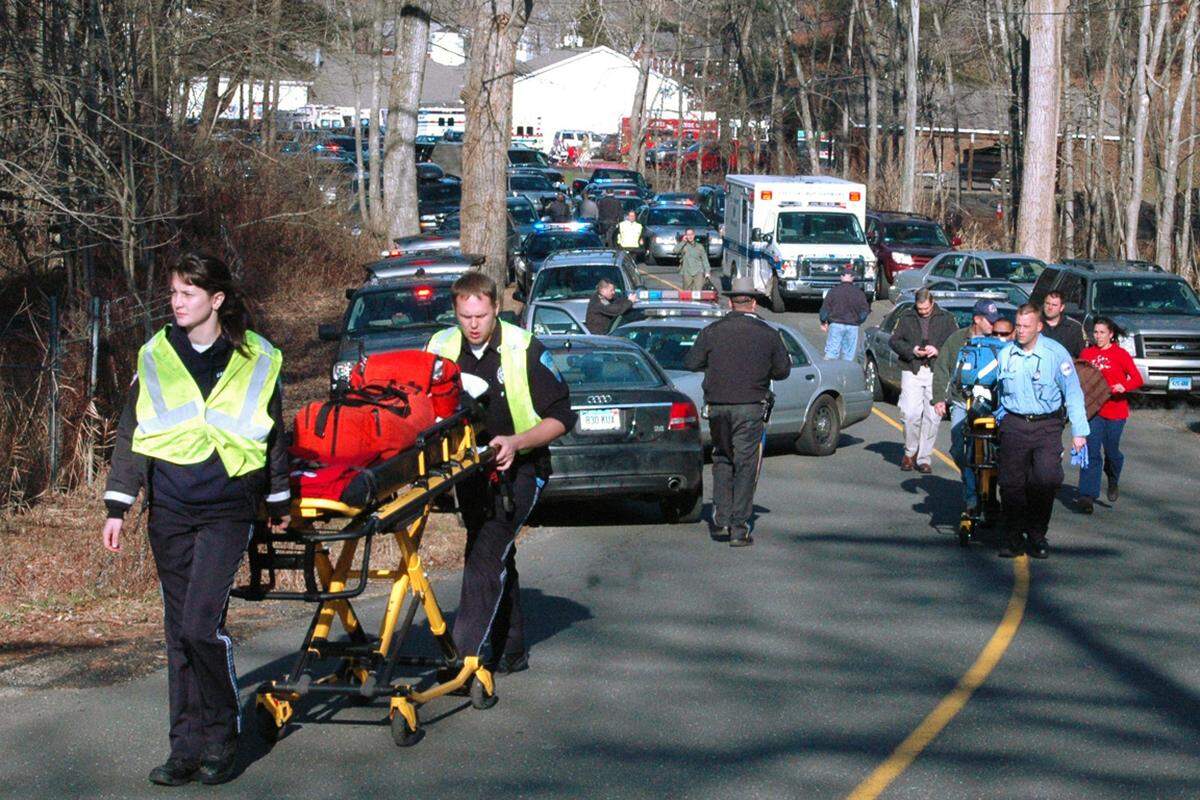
[[704, 296]]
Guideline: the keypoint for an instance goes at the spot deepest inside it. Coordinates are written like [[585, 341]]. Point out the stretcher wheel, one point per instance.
[[964, 532], [264, 721], [402, 735], [480, 698]]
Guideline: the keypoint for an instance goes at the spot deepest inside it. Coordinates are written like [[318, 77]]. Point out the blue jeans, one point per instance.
[[961, 454], [1105, 433], [841, 342]]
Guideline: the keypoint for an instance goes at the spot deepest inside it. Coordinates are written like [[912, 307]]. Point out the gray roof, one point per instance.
[[547, 59], [345, 80]]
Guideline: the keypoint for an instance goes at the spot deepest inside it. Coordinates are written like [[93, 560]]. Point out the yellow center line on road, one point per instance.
[[947, 459], [936, 721], [661, 279]]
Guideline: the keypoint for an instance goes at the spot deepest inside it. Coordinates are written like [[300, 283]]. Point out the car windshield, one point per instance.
[[564, 283], [588, 370], [535, 157], [667, 346], [439, 192], [405, 307], [680, 217], [529, 183], [797, 227], [1017, 270], [523, 213], [919, 233], [1143, 296], [540, 245]]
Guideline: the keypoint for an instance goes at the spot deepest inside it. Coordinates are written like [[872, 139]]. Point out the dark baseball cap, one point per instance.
[[987, 309]]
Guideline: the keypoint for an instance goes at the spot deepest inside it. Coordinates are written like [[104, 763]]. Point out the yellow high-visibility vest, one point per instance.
[[176, 423], [514, 344], [629, 234]]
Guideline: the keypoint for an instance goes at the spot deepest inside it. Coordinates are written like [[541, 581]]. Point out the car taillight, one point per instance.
[[683, 416], [423, 292]]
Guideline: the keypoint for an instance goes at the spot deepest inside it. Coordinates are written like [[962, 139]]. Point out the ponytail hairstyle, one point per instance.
[[212, 275], [1116, 330]]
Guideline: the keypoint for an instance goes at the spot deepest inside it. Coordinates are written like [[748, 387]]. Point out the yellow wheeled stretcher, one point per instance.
[[982, 441], [322, 543]]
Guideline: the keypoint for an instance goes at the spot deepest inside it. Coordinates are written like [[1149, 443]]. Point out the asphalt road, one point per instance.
[[667, 665]]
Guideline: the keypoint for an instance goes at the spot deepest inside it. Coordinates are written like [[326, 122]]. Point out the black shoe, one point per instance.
[[508, 664], [720, 534], [1039, 549], [1084, 505], [1113, 492], [175, 772], [219, 764]]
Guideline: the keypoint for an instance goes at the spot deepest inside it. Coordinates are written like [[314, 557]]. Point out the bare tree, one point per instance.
[[908, 170], [1035, 220], [1169, 180], [491, 60], [404, 98]]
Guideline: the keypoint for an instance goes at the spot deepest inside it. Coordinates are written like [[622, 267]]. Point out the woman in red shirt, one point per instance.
[[1117, 366]]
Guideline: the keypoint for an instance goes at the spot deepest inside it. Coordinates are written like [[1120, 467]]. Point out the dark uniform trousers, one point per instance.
[[736, 435], [1029, 465], [489, 608], [197, 562]]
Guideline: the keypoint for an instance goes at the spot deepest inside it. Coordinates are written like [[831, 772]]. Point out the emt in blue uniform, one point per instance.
[[1038, 383]]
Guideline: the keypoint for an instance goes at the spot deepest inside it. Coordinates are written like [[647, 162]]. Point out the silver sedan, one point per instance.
[[812, 405]]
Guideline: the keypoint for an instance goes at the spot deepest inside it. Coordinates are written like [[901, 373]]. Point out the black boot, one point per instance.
[[1113, 491], [1085, 505], [174, 772], [218, 763]]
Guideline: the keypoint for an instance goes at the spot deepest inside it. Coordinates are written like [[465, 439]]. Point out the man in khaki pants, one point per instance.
[[917, 340]]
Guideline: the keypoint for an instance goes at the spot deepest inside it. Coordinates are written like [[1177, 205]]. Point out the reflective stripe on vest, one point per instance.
[[514, 342], [629, 234], [177, 424]]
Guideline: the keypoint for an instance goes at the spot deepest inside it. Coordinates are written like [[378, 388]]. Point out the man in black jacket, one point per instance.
[[611, 211], [1060, 327], [604, 307], [740, 355], [844, 308], [917, 340]]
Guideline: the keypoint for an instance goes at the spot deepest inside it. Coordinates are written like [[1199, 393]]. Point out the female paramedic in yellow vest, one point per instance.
[[202, 434], [527, 406]]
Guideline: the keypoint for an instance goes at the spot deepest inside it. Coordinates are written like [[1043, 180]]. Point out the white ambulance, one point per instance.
[[795, 234]]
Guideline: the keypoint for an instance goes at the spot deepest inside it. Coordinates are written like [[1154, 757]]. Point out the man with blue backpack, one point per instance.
[[968, 359]]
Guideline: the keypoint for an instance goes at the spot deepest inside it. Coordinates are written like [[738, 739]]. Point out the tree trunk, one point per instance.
[[487, 97], [637, 114], [908, 170], [1035, 221], [1173, 145], [404, 99], [1147, 57]]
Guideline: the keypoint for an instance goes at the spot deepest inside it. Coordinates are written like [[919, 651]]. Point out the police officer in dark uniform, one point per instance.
[[740, 355], [527, 407], [1038, 387]]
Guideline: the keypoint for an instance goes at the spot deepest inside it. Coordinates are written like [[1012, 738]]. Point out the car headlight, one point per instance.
[[716, 241], [902, 258], [664, 240], [1128, 344], [341, 371]]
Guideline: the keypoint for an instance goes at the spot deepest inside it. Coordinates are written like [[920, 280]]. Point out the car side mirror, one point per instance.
[[510, 316], [328, 332], [519, 295]]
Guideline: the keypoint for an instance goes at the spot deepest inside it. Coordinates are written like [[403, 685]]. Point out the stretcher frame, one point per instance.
[[981, 440], [409, 484]]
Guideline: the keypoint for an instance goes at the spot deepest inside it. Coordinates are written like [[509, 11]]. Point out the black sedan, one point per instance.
[[546, 240], [636, 435]]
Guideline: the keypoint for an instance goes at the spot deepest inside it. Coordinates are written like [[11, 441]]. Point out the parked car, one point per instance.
[[532, 186], [528, 158], [569, 278], [813, 405], [544, 242], [707, 153], [969, 264], [615, 175], [674, 198], [660, 152], [387, 314], [417, 264], [663, 227], [435, 200], [570, 319], [1008, 292], [711, 202], [637, 436], [881, 365], [1158, 311], [902, 242]]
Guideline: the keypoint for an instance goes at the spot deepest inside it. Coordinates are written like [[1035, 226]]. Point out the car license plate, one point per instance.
[[1182, 383], [600, 419]]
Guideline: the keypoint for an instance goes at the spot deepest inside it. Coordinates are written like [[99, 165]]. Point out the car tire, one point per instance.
[[881, 284], [684, 508], [871, 376], [822, 429], [651, 261]]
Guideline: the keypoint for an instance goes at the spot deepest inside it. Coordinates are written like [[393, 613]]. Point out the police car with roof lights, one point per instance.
[[794, 235], [546, 239], [567, 280], [570, 318]]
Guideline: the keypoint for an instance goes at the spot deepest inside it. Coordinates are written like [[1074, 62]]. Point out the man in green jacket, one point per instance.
[[693, 262], [948, 395]]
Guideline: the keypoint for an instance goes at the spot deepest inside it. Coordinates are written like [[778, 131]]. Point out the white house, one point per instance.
[[590, 90]]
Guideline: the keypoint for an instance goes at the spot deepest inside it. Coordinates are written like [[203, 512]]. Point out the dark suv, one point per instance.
[[1158, 311], [903, 241]]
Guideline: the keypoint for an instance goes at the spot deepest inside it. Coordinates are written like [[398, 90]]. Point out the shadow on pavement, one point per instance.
[[892, 452]]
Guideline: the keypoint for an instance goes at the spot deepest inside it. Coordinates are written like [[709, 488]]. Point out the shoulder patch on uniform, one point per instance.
[[547, 361], [1066, 368]]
